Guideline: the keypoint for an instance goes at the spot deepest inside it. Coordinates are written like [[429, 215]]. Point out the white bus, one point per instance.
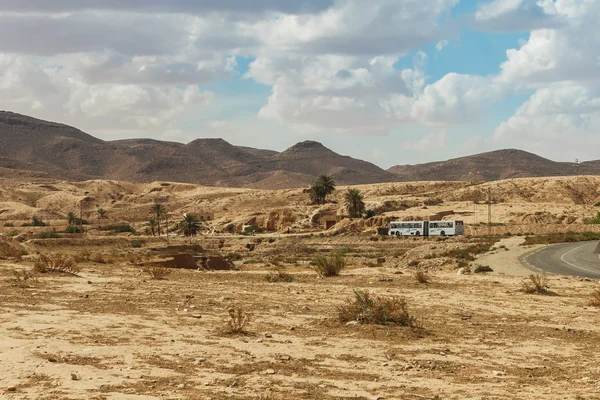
[[426, 228], [409, 228]]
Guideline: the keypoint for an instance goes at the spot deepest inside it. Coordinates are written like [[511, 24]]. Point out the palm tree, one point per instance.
[[71, 218], [159, 211], [324, 186], [151, 224], [354, 203], [101, 213], [189, 225]]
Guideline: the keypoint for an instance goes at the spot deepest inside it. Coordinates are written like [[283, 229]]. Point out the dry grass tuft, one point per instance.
[[158, 273], [330, 265], [56, 262], [422, 277], [238, 320], [280, 275], [536, 284], [24, 279], [595, 298], [84, 255], [377, 310]]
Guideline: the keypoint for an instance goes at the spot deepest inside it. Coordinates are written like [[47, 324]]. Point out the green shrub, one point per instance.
[[47, 235], [253, 229], [569, 237], [35, 221], [9, 225], [597, 204], [433, 202], [330, 265], [73, 229], [595, 220], [123, 228], [136, 244], [376, 310]]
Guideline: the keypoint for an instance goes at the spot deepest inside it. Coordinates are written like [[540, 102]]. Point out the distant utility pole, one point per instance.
[[489, 202]]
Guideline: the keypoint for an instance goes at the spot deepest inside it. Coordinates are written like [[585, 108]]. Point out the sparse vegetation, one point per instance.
[[354, 201], [136, 244], [73, 229], [101, 213], [189, 225], [433, 202], [595, 220], [376, 310], [24, 279], [124, 228], [421, 277], [238, 320], [469, 253], [48, 235], [158, 272], [323, 187], [280, 275], [595, 298], [536, 284], [9, 225], [159, 213], [330, 265], [250, 229], [57, 263], [561, 238], [36, 221]]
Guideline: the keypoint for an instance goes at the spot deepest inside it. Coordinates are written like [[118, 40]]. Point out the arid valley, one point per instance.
[[107, 330]]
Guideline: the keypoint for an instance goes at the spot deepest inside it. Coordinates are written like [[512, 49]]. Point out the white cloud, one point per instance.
[[441, 44], [515, 15], [430, 142], [561, 120]]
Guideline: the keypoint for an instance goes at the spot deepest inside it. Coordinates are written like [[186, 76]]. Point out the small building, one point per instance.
[[204, 216]]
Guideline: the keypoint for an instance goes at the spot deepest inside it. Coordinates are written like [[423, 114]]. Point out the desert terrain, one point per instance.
[[108, 330]]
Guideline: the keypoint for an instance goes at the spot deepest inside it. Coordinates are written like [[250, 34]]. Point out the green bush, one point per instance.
[[123, 228], [35, 221], [253, 229], [595, 220], [597, 204], [568, 237], [136, 244], [48, 235], [73, 229], [329, 265], [9, 225]]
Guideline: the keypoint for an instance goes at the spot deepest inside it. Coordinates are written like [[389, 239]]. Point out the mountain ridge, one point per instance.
[[43, 149]]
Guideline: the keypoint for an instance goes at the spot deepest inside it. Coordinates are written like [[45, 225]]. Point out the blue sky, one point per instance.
[[388, 81]]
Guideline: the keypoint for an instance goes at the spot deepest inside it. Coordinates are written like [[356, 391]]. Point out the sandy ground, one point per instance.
[[113, 333], [505, 258]]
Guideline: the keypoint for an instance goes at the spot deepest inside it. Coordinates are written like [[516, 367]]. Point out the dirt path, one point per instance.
[[505, 259]]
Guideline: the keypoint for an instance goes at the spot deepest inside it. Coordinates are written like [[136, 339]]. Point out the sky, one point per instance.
[[387, 81]]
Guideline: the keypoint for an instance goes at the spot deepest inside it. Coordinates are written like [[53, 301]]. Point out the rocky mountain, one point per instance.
[[491, 166], [36, 148]]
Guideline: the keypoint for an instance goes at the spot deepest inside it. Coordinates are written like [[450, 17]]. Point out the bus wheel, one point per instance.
[[418, 234], [442, 233], [397, 233]]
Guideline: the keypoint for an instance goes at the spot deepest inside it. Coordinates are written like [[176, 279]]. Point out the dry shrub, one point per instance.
[[97, 258], [24, 279], [377, 310], [421, 277], [56, 262], [330, 265], [84, 255], [158, 272], [280, 275], [536, 284], [595, 298], [238, 320], [8, 250]]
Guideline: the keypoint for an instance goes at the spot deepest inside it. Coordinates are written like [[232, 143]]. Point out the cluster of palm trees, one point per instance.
[[189, 224], [353, 198]]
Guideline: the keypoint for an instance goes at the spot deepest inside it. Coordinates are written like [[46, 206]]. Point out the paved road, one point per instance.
[[577, 259]]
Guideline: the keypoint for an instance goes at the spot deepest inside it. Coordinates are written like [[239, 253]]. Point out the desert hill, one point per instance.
[[31, 147], [491, 166]]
